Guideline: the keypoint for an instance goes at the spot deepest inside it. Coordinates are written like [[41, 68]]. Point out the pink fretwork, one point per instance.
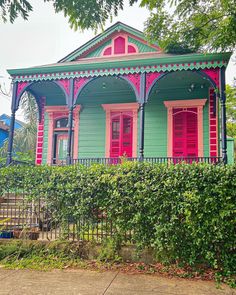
[[40, 134], [65, 84], [134, 80], [78, 85], [150, 78], [20, 87], [213, 129], [213, 74]]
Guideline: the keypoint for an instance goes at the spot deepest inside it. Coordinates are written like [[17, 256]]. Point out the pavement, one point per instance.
[[85, 282]]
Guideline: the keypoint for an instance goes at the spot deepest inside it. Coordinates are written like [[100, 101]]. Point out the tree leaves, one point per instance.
[[179, 26]]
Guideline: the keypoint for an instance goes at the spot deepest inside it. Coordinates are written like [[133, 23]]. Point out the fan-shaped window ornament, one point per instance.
[[120, 45]]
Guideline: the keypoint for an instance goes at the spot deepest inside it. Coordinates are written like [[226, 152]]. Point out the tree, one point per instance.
[[231, 103], [24, 143], [178, 26]]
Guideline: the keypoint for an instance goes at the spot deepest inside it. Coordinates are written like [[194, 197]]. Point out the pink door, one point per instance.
[[121, 135], [185, 133]]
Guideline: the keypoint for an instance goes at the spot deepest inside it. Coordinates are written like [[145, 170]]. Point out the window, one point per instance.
[[120, 45]]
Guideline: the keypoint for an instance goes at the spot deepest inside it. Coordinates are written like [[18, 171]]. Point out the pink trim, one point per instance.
[[20, 87], [65, 83], [213, 125], [151, 80], [132, 48], [78, 85], [113, 47], [185, 104], [40, 134], [107, 51], [214, 74], [56, 112], [120, 45], [135, 80], [112, 37], [133, 107]]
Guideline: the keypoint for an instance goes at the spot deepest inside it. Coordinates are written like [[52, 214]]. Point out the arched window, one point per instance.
[[120, 45]]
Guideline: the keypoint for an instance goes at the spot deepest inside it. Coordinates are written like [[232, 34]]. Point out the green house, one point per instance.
[[120, 96]]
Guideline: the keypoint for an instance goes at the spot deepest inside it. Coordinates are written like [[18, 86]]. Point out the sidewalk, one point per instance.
[[84, 282]]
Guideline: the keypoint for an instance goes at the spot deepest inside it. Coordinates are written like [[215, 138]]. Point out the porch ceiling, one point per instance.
[[181, 80], [180, 85], [106, 86], [54, 95]]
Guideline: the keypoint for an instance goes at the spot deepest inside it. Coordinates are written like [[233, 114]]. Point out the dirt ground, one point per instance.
[[86, 282]]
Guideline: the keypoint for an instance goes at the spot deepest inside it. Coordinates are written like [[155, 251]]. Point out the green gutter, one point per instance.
[[120, 64]]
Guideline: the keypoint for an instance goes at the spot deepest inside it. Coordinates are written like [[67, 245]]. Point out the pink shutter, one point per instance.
[[191, 135], [185, 133], [119, 45], [115, 136], [127, 136]]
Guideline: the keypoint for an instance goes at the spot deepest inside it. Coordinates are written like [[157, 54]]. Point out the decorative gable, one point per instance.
[[119, 39]]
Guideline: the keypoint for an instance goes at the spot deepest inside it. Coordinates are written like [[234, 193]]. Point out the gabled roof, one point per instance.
[[102, 38]]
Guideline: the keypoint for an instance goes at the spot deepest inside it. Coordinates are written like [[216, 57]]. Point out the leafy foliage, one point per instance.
[[192, 25], [231, 103], [186, 213], [178, 26], [14, 8]]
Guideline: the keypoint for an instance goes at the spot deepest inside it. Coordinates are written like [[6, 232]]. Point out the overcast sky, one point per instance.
[[46, 37]]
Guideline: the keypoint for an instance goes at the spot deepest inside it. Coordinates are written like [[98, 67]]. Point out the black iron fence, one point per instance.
[[22, 218], [152, 160]]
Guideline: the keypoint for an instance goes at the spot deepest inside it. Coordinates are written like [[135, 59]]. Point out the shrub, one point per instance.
[[186, 213]]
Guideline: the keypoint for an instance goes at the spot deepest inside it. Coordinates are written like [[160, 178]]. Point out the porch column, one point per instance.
[[70, 122], [12, 124], [223, 116], [141, 135], [142, 115]]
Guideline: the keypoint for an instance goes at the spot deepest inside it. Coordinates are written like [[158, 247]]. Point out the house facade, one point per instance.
[[118, 95]]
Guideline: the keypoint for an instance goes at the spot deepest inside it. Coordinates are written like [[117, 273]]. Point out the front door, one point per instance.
[[121, 138], [185, 133]]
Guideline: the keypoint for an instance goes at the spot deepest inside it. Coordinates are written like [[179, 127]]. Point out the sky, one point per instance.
[[47, 37]]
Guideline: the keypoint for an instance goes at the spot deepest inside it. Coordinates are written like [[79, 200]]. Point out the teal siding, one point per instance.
[[45, 139], [92, 128], [98, 51]]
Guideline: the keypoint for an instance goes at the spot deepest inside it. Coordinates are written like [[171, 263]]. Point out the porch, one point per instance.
[[168, 116]]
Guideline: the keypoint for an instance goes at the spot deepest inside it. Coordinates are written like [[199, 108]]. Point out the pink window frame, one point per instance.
[[121, 107], [55, 113], [185, 104], [112, 45]]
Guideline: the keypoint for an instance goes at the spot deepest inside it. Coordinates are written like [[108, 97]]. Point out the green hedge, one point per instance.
[[186, 213]]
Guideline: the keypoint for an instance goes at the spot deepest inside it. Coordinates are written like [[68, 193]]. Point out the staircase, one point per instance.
[[17, 213]]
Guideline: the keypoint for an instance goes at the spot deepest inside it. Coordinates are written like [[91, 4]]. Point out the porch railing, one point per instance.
[[152, 160]]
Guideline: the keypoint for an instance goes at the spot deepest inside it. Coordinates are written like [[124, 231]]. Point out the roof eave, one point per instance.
[[135, 62]]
